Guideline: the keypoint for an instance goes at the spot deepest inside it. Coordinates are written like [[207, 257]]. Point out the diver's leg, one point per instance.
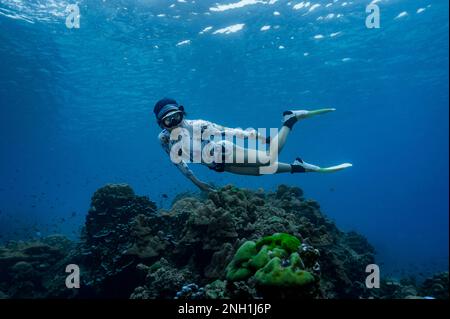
[[282, 138], [243, 156], [242, 170], [250, 162], [247, 157], [289, 119], [299, 166], [255, 170], [251, 157]]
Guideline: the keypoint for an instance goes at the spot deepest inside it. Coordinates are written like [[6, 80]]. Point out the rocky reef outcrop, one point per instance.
[[26, 268], [233, 243]]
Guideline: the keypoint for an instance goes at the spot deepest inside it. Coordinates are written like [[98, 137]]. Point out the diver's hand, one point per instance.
[[204, 187]]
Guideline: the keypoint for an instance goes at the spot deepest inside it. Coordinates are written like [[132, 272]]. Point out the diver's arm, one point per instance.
[[183, 167]]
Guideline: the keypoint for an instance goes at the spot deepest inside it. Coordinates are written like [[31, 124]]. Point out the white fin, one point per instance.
[[335, 168]]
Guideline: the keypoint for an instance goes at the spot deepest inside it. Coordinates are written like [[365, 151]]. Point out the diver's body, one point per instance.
[[170, 116]]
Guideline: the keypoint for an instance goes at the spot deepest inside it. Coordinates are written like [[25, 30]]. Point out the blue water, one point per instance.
[[76, 108]]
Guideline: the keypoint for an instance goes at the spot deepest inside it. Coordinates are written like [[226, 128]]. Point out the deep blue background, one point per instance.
[[76, 109]]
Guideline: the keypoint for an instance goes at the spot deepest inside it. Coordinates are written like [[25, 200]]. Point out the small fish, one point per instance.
[[164, 196], [73, 214]]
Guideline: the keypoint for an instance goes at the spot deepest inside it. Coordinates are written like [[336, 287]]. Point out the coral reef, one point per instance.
[[117, 237], [233, 243], [436, 286], [162, 280], [26, 267]]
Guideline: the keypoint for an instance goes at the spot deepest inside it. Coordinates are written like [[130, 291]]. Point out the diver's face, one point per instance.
[[172, 120]]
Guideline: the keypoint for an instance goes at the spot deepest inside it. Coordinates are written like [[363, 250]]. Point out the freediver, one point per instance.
[[170, 116]]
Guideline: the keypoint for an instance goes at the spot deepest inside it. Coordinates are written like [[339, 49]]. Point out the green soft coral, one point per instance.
[[280, 240], [273, 261], [274, 274], [239, 268]]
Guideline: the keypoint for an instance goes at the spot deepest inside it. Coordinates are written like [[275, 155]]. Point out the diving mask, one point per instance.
[[172, 119]]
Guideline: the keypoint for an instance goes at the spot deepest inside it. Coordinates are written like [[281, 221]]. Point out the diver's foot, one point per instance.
[[292, 116], [300, 166]]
